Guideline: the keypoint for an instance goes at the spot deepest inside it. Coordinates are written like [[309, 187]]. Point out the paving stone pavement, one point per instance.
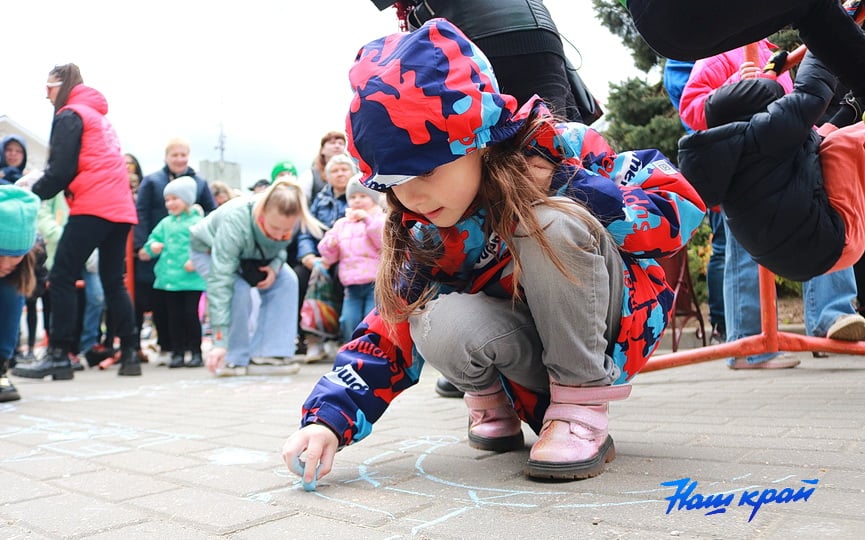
[[180, 454]]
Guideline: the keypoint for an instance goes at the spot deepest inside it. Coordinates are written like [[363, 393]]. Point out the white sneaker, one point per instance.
[[331, 348], [231, 370], [162, 359], [850, 327], [314, 353], [290, 367], [267, 360]]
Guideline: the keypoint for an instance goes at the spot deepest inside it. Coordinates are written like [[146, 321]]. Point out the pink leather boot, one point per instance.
[[493, 423], [574, 441]]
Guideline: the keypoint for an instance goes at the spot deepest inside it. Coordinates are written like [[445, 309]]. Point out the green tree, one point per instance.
[[639, 114]]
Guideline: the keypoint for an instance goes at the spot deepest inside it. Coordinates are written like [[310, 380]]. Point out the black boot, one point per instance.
[[98, 353], [54, 362], [176, 360], [130, 364], [7, 389], [195, 360], [444, 388]]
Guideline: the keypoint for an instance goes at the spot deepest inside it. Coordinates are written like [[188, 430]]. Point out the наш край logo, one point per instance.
[[687, 498]]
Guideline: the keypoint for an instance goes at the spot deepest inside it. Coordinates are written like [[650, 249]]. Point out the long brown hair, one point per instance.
[[70, 75], [509, 195], [23, 278]]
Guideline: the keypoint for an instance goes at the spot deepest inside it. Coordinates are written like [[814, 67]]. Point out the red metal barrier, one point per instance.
[[770, 340]]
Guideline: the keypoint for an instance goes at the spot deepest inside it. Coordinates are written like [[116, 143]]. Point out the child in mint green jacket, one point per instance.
[[176, 279]]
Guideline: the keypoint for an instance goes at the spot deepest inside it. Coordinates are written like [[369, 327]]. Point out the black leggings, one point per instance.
[[694, 29], [32, 318], [183, 326], [81, 235], [149, 299]]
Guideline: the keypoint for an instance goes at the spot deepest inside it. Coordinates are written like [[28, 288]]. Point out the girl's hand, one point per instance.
[[188, 266], [215, 358], [749, 70], [309, 261], [318, 444], [143, 255], [156, 247], [268, 279], [357, 214]]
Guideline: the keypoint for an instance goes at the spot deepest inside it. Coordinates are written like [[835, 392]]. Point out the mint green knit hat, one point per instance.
[[18, 208]]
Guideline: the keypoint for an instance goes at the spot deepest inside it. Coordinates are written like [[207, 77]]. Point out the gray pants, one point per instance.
[[561, 331]]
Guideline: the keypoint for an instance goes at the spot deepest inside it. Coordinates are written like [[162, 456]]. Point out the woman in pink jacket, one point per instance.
[[355, 243], [86, 163]]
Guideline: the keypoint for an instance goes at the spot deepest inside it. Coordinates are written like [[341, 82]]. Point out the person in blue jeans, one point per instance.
[[354, 242], [94, 305], [828, 303], [18, 209], [829, 299], [240, 245], [676, 73]]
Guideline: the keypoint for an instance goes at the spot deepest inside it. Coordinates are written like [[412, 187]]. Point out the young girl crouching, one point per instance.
[[517, 260]]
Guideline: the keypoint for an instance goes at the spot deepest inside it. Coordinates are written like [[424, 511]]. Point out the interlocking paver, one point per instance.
[[180, 454]]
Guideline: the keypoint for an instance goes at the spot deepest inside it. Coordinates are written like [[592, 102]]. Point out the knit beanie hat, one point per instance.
[[421, 100], [354, 186], [184, 188], [18, 208], [739, 101], [281, 167]]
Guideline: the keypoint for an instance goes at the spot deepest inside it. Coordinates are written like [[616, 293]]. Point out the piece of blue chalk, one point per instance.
[[298, 467]]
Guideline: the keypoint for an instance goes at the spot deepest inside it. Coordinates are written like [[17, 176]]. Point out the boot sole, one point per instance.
[[9, 394], [497, 444], [573, 470], [130, 371], [65, 374]]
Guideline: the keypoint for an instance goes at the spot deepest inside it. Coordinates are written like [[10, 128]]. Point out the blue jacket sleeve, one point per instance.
[[367, 375]]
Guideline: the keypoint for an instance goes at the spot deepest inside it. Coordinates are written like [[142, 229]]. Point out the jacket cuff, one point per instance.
[[220, 337], [333, 418]]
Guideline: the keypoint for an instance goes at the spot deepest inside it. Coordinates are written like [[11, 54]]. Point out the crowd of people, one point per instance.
[[511, 248], [92, 208]]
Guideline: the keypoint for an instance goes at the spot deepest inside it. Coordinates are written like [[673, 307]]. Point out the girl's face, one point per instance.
[[444, 194], [360, 201], [175, 205], [338, 177], [276, 225], [177, 159], [9, 264]]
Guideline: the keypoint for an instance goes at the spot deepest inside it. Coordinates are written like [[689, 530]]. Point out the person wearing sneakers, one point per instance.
[[828, 299], [175, 275], [18, 208], [793, 195], [517, 260], [241, 245]]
